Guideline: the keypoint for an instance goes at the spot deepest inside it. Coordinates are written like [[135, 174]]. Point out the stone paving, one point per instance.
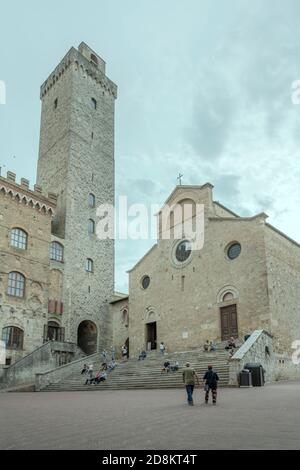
[[257, 418]]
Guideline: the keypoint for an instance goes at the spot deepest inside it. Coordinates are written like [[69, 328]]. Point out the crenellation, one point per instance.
[[25, 183], [80, 63], [11, 176], [22, 194], [37, 189]]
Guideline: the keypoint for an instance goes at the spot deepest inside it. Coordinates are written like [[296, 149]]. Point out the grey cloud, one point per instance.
[[213, 114]]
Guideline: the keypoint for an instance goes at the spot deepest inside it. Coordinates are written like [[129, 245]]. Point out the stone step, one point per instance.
[[150, 373], [100, 387], [134, 374]]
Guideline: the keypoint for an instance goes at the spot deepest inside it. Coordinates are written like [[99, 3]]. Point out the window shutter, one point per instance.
[[51, 306]]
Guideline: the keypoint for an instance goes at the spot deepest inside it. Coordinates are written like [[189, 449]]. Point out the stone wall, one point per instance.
[[259, 348], [55, 375], [119, 312], [47, 356], [283, 268]]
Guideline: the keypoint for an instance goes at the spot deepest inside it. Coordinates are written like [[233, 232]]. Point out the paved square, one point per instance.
[[256, 418]]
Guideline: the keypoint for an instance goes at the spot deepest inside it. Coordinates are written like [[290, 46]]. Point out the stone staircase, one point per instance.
[[146, 374]]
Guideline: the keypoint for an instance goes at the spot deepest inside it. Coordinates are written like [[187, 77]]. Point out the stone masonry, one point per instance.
[[31, 211], [76, 159], [184, 299]]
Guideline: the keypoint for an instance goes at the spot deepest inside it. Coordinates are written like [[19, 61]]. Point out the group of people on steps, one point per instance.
[[189, 375]]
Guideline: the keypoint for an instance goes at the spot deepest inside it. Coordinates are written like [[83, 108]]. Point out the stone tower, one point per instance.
[[76, 161]]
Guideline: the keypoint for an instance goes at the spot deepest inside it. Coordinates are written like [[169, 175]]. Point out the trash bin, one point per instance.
[[257, 373], [245, 378]]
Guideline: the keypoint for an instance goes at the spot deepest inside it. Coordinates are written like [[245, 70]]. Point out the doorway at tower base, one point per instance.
[[87, 337]]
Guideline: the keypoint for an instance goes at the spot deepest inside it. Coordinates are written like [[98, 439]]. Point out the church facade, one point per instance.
[[245, 277]]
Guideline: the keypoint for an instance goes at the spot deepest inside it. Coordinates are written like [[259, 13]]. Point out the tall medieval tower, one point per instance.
[[76, 161]]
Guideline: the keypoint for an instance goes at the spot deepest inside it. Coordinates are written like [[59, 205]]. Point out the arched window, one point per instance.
[[92, 200], [125, 317], [18, 238], [16, 284], [13, 337], [89, 265], [94, 103], [57, 252], [91, 226]]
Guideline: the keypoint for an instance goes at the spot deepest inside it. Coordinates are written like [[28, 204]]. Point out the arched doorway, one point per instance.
[[87, 337]]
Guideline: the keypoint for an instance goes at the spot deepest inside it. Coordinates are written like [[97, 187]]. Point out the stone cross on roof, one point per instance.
[[179, 178]]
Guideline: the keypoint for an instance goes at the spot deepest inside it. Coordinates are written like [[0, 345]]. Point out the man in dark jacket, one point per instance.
[[211, 382]]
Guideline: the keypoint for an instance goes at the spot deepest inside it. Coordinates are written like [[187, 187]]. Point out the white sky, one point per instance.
[[204, 89]]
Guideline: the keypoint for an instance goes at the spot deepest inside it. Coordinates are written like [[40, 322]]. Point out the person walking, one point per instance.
[[211, 382], [162, 348], [189, 376]]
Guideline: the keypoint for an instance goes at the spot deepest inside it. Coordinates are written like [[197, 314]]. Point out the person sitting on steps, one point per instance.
[[230, 343], [166, 367], [142, 355], [174, 367]]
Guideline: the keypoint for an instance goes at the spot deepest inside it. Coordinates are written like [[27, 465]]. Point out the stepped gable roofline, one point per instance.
[[261, 215], [23, 194], [226, 209], [118, 297], [79, 58], [140, 260], [283, 234], [182, 189]]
